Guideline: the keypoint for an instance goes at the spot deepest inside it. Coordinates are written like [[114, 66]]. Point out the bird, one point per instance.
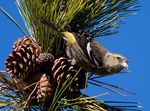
[[84, 51]]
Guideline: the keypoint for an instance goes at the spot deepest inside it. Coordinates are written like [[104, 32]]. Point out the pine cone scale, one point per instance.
[[62, 70]]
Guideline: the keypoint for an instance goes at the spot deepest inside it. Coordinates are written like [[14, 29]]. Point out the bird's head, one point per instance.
[[115, 62]]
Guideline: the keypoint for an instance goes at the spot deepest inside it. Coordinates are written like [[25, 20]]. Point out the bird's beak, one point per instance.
[[124, 64]]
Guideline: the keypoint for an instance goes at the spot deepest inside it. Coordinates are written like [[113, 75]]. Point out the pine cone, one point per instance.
[[42, 88], [24, 58], [62, 69], [46, 60]]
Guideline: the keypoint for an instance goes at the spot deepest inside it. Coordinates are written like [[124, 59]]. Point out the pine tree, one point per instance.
[[41, 74]]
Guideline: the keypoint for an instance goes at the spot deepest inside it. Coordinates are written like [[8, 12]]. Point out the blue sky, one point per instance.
[[132, 41]]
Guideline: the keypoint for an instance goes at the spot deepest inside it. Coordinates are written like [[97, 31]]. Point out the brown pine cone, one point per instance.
[[24, 58], [62, 69], [46, 60], [42, 88]]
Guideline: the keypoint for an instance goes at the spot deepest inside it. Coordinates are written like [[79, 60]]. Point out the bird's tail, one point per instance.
[[51, 25]]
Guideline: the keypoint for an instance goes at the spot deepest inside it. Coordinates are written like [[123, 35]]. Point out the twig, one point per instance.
[[5, 75], [31, 94], [11, 106]]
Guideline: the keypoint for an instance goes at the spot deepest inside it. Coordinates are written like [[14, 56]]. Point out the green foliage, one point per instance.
[[98, 17], [14, 95]]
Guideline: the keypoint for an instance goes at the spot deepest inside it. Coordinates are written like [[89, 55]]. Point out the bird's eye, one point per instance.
[[118, 58]]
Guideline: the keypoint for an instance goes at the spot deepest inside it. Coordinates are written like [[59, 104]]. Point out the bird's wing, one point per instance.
[[84, 40]]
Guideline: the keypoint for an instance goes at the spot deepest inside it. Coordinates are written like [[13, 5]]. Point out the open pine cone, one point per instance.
[[45, 90], [62, 69], [24, 58]]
